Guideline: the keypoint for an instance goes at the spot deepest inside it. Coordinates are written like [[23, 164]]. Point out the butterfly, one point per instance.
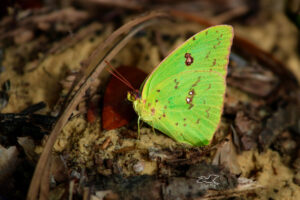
[[183, 97]]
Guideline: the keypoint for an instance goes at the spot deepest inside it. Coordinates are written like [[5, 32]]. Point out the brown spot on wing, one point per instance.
[[207, 55], [215, 62], [189, 59], [198, 121], [176, 83], [207, 112], [192, 92], [152, 111], [196, 82], [189, 100], [190, 97], [209, 86]]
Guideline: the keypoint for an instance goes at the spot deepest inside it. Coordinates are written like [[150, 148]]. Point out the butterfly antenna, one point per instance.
[[118, 73], [119, 76]]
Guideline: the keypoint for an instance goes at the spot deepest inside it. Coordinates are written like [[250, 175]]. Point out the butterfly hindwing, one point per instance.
[[183, 97], [191, 111]]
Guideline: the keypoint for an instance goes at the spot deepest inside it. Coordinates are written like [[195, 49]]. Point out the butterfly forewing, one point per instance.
[[207, 50]]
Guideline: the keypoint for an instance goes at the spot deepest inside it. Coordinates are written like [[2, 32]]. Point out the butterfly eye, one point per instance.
[[131, 96], [137, 94]]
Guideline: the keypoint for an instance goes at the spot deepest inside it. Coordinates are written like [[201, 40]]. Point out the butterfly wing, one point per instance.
[[188, 106], [208, 50], [185, 93]]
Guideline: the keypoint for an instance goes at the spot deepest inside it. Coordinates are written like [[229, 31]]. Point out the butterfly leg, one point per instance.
[[153, 129], [139, 121]]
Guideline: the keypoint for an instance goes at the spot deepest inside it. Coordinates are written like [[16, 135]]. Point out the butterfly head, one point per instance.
[[133, 95]]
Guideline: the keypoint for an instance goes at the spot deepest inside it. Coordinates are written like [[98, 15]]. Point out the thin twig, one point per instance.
[[44, 193], [229, 15], [129, 4]]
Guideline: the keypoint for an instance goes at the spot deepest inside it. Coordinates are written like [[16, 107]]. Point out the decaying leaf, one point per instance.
[[8, 162], [280, 120], [117, 110], [226, 156]]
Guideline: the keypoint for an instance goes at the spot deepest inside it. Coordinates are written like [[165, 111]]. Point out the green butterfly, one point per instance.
[[183, 97]]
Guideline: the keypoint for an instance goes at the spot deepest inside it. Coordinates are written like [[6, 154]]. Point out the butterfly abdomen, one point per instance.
[[146, 110]]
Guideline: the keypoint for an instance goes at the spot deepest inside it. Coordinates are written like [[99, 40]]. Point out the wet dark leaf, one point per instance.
[[117, 110], [248, 130], [3, 99], [25, 123], [226, 156], [251, 78], [278, 122]]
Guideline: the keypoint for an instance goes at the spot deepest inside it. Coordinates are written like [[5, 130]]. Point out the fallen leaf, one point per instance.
[[29, 148], [226, 156], [117, 110], [248, 130], [8, 162], [278, 122]]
